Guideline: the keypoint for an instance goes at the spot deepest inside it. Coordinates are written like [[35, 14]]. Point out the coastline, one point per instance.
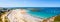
[[24, 16]]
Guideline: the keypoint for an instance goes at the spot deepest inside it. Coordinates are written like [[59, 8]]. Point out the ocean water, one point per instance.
[[45, 12]]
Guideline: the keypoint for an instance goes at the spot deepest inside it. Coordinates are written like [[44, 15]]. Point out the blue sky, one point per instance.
[[29, 3]]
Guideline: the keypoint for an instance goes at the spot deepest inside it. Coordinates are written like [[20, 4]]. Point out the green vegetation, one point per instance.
[[57, 18], [2, 12], [6, 19], [0, 19]]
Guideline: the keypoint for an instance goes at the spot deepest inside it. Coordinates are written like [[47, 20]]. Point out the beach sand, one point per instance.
[[21, 15]]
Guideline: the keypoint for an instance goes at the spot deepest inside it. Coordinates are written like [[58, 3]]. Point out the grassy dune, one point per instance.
[[3, 18], [3, 12], [57, 18]]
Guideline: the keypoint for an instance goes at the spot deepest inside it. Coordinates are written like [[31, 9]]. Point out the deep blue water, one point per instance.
[[46, 12]]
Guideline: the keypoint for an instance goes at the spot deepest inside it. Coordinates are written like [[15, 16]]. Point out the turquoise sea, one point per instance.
[[42, 12], [45, 12]]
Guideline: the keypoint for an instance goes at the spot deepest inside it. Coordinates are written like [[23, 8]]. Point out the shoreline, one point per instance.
[[23, 15], [26, 16]]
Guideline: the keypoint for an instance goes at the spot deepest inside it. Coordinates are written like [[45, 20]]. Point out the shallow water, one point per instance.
[[46, 12]]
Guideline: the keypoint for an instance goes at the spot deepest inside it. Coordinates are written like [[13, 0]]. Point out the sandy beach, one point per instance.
[[21, 15]]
